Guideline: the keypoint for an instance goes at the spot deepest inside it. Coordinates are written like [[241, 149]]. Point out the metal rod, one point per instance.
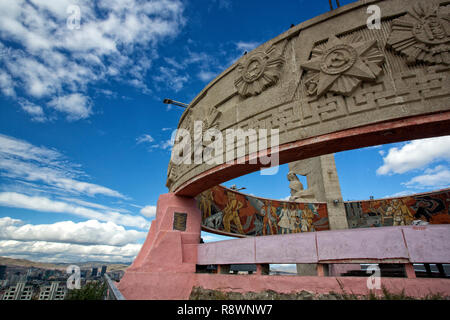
[[175, 103], [331, 4]]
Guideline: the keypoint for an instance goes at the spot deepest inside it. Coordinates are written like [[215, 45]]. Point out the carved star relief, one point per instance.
[[340, 67], [258, 71], [423, 34]]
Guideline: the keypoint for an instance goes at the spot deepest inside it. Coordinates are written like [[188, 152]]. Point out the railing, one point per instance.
[[112, 293], [386, 245]]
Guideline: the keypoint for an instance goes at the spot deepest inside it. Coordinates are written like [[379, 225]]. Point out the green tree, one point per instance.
[[90, 291]]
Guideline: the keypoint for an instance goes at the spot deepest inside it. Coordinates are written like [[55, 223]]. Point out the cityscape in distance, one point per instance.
[[22, 279]]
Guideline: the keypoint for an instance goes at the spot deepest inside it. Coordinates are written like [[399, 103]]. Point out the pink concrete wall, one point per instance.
[[428, 244], [286, 248], [227, 252], [404, 244], [319, 285], [373, 243], [165, 266]]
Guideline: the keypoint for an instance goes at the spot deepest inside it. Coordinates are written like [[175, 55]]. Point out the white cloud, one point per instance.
[[174, 63], [144, 138], [21, 160], [223, 4], [175, 75], [437, 178], [401, 194], [6, 84], [48, 58], [75, 105], [164, 145], [91, 232], [415, 155], [206, 75], [36, 112], [149, 211], [67, 252], [246, 46], [43, 204], [170, 77], [93, 205]]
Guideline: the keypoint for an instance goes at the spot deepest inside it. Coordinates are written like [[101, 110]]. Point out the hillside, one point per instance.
[[60, 266]]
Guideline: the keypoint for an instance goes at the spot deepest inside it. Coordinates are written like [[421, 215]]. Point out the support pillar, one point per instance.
[[165, 267], [409, 269], [223, 269], [322, 270], [307, 269], [441, 269], [323, 182], [262, 269]]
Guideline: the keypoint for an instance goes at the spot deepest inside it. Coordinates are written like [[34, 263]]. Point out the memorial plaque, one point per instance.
[[179, 221]]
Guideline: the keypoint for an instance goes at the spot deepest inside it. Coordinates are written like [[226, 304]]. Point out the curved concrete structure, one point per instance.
[[329, 84], [166, 265]]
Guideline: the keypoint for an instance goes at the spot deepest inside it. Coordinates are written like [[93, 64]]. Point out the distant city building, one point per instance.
[[19, 292], [103, 270], [29, 273], [55, 291], [15, 278], [94, 272], [2, 272]]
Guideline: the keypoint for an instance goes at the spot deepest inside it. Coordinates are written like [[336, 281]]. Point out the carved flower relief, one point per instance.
[[258, 71], [341, 67], [211, 118], [423, 34]]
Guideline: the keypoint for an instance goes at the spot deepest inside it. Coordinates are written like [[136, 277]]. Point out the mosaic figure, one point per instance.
[[231, 213], [269, 218], [206, 202], [284, 223]]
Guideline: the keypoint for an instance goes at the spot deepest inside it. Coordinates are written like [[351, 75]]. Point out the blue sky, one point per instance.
[[85, 139]]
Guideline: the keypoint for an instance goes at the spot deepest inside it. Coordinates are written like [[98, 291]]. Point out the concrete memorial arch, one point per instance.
[[329, 84]]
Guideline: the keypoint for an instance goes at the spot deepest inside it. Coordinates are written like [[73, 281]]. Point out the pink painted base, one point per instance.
[[320, 285], [165, 266], [166, 286]]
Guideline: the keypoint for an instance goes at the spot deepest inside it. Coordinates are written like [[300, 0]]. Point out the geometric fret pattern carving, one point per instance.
[[321, 83]]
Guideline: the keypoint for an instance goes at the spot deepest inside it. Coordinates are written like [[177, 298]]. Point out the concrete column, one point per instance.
[[168, 257], [223, 269], [441, 269], [323, 181], [332, 193], [409, 269], [262, 269], [307, 269], [322, 270]]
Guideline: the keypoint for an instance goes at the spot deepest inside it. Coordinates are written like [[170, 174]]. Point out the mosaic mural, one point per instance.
[[232, 212], [433, 208]]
